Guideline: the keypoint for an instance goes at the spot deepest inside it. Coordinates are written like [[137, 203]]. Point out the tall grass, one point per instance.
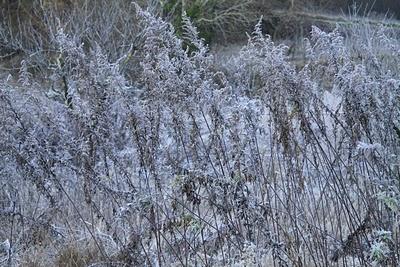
[[173, 161]]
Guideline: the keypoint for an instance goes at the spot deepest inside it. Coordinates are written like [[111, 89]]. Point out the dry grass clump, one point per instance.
[[76, 256]]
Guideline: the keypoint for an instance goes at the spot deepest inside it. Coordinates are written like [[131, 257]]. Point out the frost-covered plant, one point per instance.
[[24, 75], [380, 251], [183, 163]]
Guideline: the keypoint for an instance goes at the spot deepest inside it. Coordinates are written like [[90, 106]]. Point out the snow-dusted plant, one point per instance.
[[380, 251], [180, 162]]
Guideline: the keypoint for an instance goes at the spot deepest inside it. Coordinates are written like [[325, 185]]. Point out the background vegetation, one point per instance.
[[225, 20]]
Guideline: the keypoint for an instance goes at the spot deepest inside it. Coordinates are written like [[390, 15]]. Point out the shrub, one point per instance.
[[210, 17]]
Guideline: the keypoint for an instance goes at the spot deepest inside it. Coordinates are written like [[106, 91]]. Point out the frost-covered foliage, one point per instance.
[[186, 164]]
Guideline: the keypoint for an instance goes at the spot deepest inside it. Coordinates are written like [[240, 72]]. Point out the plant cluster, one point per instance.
[[175, 162]]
